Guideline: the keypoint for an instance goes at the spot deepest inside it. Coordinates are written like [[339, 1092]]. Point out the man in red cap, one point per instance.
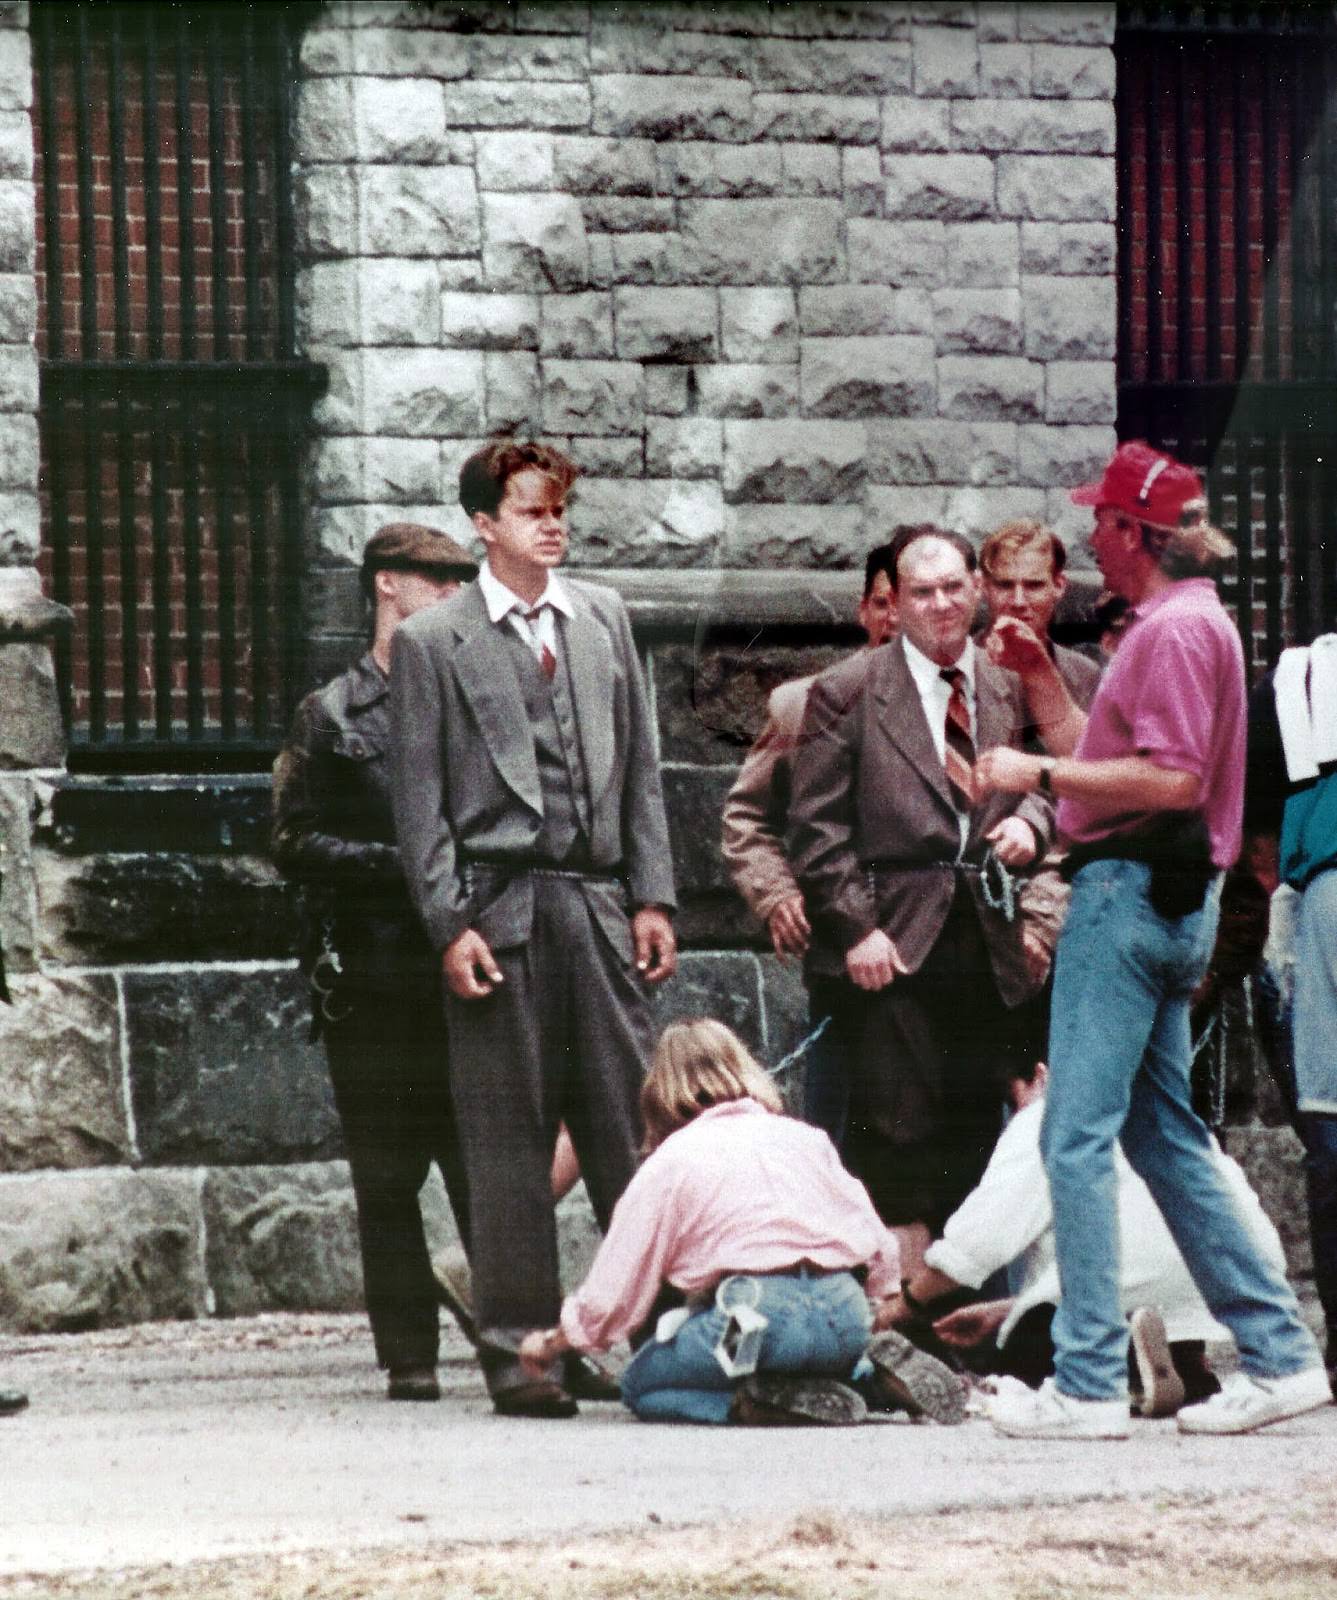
[[1150, 788]]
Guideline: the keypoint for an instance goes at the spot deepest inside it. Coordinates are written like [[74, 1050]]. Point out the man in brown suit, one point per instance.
[[756, 818], [916, 950]]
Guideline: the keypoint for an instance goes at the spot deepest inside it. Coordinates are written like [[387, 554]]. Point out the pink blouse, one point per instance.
[[739, 1189]]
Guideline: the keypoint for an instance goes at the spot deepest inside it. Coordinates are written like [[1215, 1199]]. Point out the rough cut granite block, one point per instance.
[[107, 909], [62, 1101], [99, 1250], [222, 1068], [282, 1239]]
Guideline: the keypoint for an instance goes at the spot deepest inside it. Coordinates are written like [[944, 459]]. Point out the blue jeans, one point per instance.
[[818, 1325], [1317, 1132], [1119, 1056]]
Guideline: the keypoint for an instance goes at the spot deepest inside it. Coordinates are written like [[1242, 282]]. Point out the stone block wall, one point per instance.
[[778, 276]]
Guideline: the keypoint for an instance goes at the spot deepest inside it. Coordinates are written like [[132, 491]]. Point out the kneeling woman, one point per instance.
[[774, 1246]]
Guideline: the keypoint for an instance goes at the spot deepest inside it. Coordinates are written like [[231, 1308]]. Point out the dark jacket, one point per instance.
[[334, 833]]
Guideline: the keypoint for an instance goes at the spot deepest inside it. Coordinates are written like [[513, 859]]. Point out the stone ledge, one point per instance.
[[684, 602]]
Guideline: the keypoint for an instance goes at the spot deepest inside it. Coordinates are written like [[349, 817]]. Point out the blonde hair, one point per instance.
[[1023, 533], [1195, 548], [697, 1064]]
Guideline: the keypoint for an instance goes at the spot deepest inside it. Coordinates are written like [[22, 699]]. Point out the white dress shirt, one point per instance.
[[503, 602], [935, 691]]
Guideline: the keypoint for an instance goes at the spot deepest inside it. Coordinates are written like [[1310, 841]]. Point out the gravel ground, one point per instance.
[[258, 1459]]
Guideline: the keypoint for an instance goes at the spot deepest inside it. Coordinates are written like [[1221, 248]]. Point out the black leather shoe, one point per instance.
[[584, 1378], [412, 1383], [536, 1399], [12, 1400]]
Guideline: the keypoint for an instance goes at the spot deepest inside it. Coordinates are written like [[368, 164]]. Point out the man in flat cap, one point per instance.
[[376, 981]]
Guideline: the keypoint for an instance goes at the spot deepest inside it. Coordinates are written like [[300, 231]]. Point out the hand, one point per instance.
[[1016, 647], [971, 1325], [1038, 955], [539, 1349], [1003, 770], [874, 962], [789, 927], [470, 969], [655, 943], [890, 1313], [1014, 842]]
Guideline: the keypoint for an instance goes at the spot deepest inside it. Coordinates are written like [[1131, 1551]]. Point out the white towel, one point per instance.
[[1306, 693]]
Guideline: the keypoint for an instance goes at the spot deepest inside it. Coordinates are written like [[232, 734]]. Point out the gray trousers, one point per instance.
[[565, 1037]]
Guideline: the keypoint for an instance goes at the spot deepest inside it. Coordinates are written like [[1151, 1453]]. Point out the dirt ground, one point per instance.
[[166, 1427], [1280, 1546]]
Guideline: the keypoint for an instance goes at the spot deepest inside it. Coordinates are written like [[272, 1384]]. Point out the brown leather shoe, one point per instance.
[[412, 1383], [584, 1378], [776, 1400], [538, 1398]]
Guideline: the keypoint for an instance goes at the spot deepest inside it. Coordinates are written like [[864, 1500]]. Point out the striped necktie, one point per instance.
[[959, 747], [547, 661]]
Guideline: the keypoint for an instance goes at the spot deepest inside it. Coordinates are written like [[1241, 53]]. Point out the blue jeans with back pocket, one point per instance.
[[818, 1325], [1119, 1057]]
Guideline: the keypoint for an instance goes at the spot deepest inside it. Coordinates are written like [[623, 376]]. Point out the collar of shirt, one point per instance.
[[928, 674], [500, 600], [503, 603], [1144, 608]]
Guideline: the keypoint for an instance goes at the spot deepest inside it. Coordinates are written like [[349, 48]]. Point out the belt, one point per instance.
[[996, 882], [701, 1298], [520, 866]]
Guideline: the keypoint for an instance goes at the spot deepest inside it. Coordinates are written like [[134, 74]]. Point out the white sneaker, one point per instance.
[[1246, 1403], [1048, 1413]]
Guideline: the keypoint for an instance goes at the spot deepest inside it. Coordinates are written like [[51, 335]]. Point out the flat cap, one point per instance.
[[412, 547]]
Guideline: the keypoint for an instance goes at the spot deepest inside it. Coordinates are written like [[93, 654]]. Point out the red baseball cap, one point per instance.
[[1144, 484]]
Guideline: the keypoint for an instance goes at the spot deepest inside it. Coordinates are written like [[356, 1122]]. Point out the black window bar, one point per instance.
[[1227, 245], [173, 400]]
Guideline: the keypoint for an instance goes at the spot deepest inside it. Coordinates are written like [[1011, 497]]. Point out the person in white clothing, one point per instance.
[[1007, 1222]]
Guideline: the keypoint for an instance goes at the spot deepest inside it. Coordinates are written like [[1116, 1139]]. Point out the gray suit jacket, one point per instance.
[[868, 785], [465, 780]]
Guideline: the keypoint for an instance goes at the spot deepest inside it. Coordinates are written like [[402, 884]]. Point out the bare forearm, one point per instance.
[[1123, 783], [1056, 715]]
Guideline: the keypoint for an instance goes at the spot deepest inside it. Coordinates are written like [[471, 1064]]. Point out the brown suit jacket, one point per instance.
[[868, 785], [757, 810]]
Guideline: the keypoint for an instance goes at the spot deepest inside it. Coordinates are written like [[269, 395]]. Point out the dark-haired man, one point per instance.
[[531, 825], [1150, 790], [753, 838], [375, 979], [916, 949]]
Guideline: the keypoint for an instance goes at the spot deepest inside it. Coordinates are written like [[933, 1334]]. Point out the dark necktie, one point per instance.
[[959, 748], [547, 661]]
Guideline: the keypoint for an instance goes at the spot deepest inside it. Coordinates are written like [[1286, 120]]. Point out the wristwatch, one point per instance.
[[1046, 783]]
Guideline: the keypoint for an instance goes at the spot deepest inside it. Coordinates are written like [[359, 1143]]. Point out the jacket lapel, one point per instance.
[[589, 666], [900, 713], [995, 722], [488, 682]]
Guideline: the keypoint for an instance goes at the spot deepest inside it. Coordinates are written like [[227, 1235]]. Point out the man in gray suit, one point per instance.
[[532, 832], [917, 949]]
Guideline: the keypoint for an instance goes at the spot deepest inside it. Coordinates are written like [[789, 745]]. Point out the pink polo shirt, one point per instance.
[[1175, 693], [739, 1189]]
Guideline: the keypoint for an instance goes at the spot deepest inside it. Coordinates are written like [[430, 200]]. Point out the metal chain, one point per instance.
[[801, 1050]]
